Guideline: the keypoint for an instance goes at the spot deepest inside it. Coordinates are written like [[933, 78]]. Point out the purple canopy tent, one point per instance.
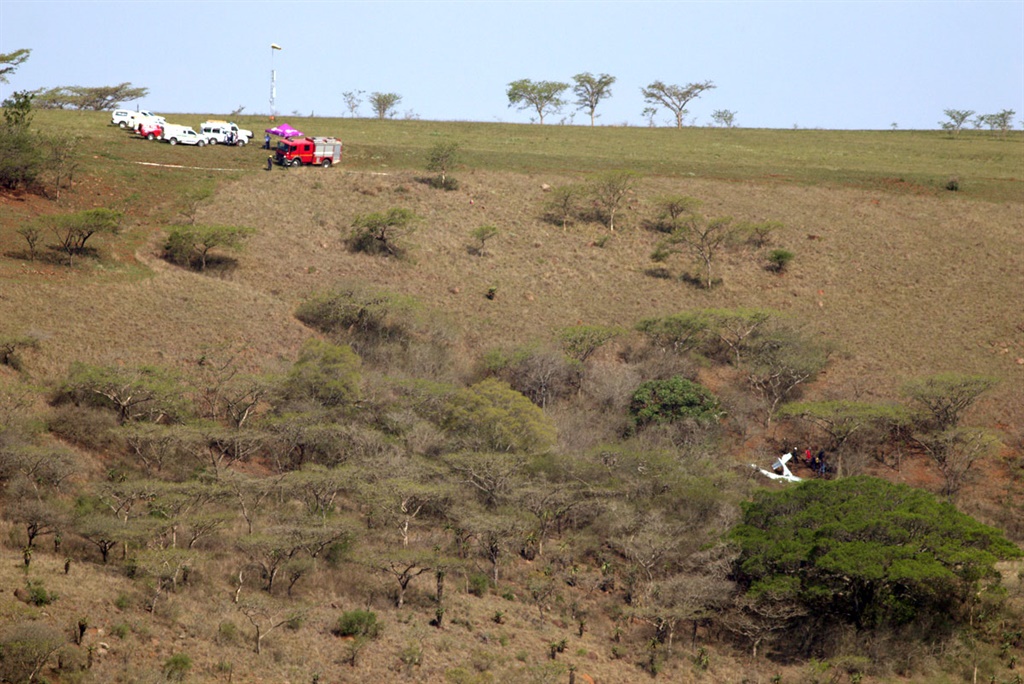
[[285, 131]]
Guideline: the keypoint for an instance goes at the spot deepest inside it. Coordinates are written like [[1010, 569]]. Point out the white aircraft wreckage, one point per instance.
[[779, 471]]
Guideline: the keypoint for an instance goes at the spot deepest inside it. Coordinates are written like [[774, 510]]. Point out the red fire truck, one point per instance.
[[298, 151]]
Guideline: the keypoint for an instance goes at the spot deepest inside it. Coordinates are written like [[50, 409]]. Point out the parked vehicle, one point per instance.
[[298, 151], [175, 134], [150, 130], [127, 118], [224, 132]]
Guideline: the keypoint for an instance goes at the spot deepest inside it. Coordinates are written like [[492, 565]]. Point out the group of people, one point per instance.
[[816, 462]]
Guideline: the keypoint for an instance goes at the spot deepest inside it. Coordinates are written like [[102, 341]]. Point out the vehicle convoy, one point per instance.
[[175, 134], [298, 151], [224, 132]]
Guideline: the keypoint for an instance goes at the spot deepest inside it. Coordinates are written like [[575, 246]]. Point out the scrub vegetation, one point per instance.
[[342, 425]]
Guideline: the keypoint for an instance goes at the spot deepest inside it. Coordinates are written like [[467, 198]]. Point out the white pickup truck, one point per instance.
[[127, 118], [184, 135], [224, 132]]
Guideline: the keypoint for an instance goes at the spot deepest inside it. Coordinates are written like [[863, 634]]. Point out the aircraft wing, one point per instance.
[[786, 475]]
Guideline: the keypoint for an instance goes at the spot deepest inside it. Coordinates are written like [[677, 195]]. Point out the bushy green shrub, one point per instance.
[[357, 623], [38, 595], [479, 584], [177, 666], [665, 401], [778, 260], [361, 312], [381, 232], [227, 632], [21, 158], [25, 648], [490, 415], [384, 328], [326, 373]]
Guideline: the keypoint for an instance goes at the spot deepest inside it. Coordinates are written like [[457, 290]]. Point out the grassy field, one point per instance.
[[907, 277], [903, 276]]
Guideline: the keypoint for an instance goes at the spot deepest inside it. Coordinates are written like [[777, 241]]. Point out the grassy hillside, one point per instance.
[[900, 276]]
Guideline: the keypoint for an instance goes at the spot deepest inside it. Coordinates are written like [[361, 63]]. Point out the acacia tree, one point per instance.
[[678, 333], [384, 104], [266, 615], [544, 97], [579, 342], [60, 158], [674, 97], [946, 396], [702, 238], [73, 230], [955, 452], [724, 117], [672, 209], [10, 61], [780, 363], [590, 90], [353, 98], [865, 552], [442, 158], [840, 420], [563, 204], [379, 232], [609, 190], [1002, 121], [187, 245], [956, 120], [89, 98], [26, 647], [140, 393]]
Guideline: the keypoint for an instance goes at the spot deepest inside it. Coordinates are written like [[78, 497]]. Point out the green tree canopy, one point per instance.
[[10, 61], [946, 396], [89, 98], [590, 90], [134, 393], [384, 104], [21, 159], [492, 415], [865, 551], [674, 97], [326, 373], [665, 401], [544, 97], [192, 244]]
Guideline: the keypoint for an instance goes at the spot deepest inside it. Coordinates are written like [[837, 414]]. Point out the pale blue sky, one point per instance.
[[812, 64]]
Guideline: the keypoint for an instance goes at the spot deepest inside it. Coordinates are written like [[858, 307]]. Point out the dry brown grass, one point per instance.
[[906, 285]]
